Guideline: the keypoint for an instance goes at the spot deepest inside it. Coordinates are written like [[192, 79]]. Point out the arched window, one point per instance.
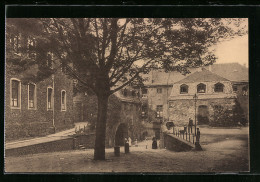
[[219, 87], [184, 89], [63, 100], [15, 93], [201, 88]]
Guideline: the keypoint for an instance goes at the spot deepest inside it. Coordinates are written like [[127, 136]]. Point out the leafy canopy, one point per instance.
[[106, 54]]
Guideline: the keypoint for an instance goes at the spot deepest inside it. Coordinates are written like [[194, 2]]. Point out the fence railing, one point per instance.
[[190, 137]]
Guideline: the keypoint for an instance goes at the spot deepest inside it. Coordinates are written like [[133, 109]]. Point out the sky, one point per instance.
[[235, 50]]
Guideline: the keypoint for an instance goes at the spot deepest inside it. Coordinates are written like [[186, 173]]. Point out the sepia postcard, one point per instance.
[[126, 95]]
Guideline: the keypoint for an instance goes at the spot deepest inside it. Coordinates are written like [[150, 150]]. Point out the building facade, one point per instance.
[[34, 108], [123, 115], [157, 93], [212, 92]]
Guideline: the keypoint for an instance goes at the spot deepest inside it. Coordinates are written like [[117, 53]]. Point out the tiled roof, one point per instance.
[[231, 71], [202, 76], [156, 77]]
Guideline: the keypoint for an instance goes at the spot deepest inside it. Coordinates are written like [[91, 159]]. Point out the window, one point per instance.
[[234, 88], [49, 98], [159, 90], [201, 88], [15, 93], [144, 93], [244, 91], [159, 111], [17, 43], [144, 111], [31, 44], [50, 60], [184, 89], [63, 100], [31, 96], [219, 87]]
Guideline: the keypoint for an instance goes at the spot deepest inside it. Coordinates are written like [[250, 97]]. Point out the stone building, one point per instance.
[[211, 90], [158, 88], [123, 115], [35, 108]]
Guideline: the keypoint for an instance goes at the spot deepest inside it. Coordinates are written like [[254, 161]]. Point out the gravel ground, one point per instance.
[[222, 152]]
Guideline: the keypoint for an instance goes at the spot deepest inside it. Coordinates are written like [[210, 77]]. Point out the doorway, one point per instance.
[[203, 115]]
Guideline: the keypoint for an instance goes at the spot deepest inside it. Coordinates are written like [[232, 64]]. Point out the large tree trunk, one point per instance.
[[99, 153]]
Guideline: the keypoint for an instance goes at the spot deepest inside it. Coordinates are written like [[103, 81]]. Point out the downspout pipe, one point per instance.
[[53, 120]]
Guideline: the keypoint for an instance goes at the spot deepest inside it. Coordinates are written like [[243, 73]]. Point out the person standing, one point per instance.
[[198, 135], [190, 125], [130, 141]]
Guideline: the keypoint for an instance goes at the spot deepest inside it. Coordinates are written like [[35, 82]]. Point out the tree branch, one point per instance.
[[129, 81]]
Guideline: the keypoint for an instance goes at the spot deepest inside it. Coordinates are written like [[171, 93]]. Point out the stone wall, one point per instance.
[[85, 140], [23, 122], [153, 99], [67, 143], [120, 110], [182, 110], [174, 143], [53, 146], [209, 89], [243, 99]]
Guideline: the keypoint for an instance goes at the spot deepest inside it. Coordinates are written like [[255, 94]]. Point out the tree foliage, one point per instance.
[[107, 54], [121, 49]]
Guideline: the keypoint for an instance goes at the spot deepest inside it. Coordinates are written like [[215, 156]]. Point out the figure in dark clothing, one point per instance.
[[190, 125], [154, 144], [198, 135]]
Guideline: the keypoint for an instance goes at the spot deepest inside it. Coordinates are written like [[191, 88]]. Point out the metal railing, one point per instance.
[[183, 134]]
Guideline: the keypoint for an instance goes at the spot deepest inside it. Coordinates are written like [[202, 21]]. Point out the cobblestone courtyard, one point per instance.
[[224, 150]]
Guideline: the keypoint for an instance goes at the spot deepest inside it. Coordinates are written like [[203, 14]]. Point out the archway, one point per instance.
[[121, 134], [203, 114]]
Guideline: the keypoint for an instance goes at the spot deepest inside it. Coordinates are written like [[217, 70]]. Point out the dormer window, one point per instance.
[[184, 89], [219, 87], [201, 88]]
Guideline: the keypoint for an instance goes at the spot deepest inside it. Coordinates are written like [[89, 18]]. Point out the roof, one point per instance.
[[231, 71], [159, 77], [202, 76]]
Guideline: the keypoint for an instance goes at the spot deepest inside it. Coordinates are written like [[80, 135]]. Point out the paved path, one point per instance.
[[222, 156], [48, 138]]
